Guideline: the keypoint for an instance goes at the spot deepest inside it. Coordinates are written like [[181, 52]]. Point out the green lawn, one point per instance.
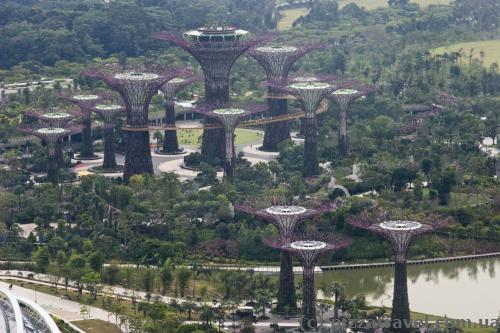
[[289, 16], [491, 48], [96, 326], [374, 4], [193, 137]]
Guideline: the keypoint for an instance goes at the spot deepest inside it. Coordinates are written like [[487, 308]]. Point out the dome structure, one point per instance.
[[20, 315]]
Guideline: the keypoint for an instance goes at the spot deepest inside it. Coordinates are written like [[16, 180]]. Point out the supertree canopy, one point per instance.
[[229, 116], [216, 48], [51, 135], [343, 98], [85, 102], [170, 89], [308, 248], [277, 62], [400, 234], [286, 219], [309, 94], [109, 113], [136, 88]]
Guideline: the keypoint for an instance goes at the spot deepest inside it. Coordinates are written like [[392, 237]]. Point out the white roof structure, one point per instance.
[[19, 315]]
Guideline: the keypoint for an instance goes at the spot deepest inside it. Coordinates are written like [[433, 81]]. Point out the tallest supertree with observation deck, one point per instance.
[[216, 48], [277, 61]]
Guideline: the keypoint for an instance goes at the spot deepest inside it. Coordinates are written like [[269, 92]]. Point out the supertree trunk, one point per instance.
[[400, 305], [59, 153], [229, 159], [109, 148], [217, 93], [343, 144], [286, 292], [275, 133], [311, 164], [138, 154], [86, 150], [308, 299], [52, 167], [302, 127], [170, 142]]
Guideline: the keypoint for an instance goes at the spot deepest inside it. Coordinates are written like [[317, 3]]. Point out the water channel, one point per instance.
[[459, 290]]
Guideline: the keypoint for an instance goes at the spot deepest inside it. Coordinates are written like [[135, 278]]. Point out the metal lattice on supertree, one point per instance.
[[343, 98], [308, 248], [136, 88], [286, 217], [54, 119], [85, 102], [109, 114], [216, 48], [401, 234], [309, 94], [277, 61], [229, 116], [51, 135], [170, 89]]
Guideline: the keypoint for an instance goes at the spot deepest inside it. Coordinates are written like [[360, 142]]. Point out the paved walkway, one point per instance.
[[64, 309]]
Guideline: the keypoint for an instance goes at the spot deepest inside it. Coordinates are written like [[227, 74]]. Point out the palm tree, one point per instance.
[[206, 315], [263, 299], [189, 307], [337, 290], [197, 271]]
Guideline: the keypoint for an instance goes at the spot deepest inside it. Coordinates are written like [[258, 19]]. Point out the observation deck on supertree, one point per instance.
[[85, 102], [170, 89], [401, 234], [308, 248], [309, 94], [109, 114], [216, 48], [286, 219], [277, 61], [229, 116], [343, 98], [136, 89], [51, 135]]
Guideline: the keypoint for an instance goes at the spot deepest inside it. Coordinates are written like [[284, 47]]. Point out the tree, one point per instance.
[[91, 281], [42, 259], [189, 307], [166, 276], [183, 275], [263, 300]]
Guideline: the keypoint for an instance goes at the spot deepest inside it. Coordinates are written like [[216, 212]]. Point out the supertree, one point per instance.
[[343, 98], [50, 135], [401, 234], [308, 248], [169, 90], [109, 113], [277, 61], [286, 218], [56, 119], [309, 94], [136, 88], [229, 116], [85, 102], [216, 48]]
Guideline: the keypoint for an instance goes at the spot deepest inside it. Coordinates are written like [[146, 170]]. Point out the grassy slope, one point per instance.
[[490, 47], [289, 16]]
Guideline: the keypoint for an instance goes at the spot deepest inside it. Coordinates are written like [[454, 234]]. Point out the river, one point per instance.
[[459, 290]]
